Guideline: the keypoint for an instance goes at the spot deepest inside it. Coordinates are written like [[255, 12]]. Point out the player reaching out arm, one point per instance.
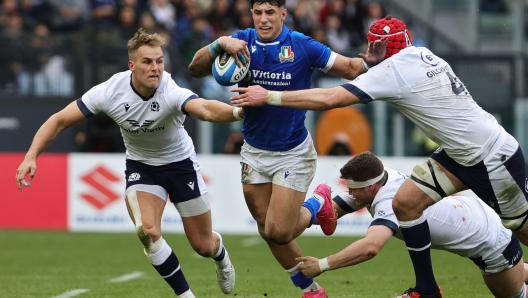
[[456, 226], [150, 108]]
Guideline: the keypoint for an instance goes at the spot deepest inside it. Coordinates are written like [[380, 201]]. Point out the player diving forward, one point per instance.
[[461, 225]]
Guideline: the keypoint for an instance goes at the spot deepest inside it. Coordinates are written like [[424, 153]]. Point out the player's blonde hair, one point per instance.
[[362, 167], [142, 38]]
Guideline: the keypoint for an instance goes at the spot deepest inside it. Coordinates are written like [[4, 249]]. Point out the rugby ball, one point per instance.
[[226, 72]]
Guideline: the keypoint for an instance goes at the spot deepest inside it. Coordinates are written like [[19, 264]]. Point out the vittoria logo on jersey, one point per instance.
[[143, 127], [286, 54], [263, 77], [154, 106]]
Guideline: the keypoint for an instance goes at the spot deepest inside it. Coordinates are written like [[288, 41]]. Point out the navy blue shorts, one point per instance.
[[180, 179], [499, 179]]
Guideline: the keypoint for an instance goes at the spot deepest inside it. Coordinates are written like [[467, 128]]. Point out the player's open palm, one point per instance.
[[252, 96], [375, 52], [26, 167]]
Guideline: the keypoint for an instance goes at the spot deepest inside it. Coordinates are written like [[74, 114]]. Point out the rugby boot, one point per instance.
[[320, 293], [327, 216], [411, 293]]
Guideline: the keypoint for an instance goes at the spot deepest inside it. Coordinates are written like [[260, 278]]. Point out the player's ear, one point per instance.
[[131, 65]]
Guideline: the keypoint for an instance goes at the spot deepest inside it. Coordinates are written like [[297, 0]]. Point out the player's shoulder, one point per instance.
[[246, 34]]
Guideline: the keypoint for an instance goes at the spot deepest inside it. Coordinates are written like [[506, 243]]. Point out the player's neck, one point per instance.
[[143, 90]]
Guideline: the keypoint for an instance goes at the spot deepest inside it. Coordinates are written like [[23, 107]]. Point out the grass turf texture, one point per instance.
[[47, 264]]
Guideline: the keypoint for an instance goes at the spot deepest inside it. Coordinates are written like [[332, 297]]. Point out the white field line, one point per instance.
[[251, 241], [72, 293], [127, 277]]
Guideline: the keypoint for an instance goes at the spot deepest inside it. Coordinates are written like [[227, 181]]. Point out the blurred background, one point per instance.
[[52, 51]]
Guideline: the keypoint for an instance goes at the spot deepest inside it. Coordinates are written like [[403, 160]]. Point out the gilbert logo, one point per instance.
[[99, 194]]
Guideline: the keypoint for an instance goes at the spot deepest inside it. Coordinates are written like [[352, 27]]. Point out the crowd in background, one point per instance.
[[187, 25]]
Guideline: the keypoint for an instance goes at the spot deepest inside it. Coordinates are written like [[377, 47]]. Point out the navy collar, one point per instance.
[[138, 94]]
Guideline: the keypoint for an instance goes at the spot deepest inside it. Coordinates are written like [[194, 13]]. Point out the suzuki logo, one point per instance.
[[100, 195]]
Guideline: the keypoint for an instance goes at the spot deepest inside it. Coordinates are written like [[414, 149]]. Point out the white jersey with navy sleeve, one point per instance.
[[423, 87], [152, 128], [286, 63], [461, 225]]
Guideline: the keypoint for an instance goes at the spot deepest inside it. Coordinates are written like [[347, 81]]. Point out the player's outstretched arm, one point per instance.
[[44, 137], [213, 111], [200, 65], [350, 68], [317, 99], [357, 252]]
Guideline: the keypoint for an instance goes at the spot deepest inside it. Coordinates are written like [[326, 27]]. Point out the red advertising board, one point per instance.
[[41, 206]]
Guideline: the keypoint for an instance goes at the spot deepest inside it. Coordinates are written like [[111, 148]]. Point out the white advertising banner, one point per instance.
[[97, 183]]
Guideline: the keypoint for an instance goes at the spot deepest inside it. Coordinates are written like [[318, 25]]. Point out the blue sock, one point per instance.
[[300, 280], [313, 206], [418, 241], [170, 270]]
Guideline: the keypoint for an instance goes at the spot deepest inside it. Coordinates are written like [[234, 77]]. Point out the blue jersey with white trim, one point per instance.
[[286, 63]]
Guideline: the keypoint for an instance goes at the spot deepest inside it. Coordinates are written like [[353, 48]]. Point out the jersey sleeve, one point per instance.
[[319, 55], [384, 215], [179, 97], [94, 100], [347, 202], [241, 34], [378, 83]]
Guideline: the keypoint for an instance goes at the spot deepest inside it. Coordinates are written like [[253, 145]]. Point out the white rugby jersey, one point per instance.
[[461, 225], [424, 88], [152, 128]]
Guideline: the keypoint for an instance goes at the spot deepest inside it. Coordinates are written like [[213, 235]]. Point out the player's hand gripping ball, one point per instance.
[[226, 72]]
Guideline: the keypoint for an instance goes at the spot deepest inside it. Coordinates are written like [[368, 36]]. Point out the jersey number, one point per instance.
[[454, 82]]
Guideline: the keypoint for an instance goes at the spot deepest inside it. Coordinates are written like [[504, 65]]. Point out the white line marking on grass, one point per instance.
[[127, 277], [251, 241], [72, 293]]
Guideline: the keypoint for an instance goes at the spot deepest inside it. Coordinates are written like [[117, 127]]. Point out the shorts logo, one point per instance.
[[286, 54], [381, 213], [286, 174], [245, 168], [134, 177], [191, 185]]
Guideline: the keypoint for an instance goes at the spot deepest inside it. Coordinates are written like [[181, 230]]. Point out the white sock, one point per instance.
[[313, 287], [319, 199], [294, 270], [187, 294]]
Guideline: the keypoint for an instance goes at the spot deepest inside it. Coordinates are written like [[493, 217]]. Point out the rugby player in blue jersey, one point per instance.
[[278, 155]]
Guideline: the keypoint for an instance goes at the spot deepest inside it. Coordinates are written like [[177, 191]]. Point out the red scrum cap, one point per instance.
[[394, 30]]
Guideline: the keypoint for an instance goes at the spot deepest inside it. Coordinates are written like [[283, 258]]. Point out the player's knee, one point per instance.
[[147, 235], [278, 236], [203, 248], [400, 206]]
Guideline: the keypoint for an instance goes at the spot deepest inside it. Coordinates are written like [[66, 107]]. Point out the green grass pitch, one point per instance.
[[49, 264]]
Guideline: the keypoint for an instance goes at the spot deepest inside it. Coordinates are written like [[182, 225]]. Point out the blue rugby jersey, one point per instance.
[[286, 63]]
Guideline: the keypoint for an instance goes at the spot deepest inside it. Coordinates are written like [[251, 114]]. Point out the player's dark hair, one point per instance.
[[362, 167], [278, 3], [142, 38]]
